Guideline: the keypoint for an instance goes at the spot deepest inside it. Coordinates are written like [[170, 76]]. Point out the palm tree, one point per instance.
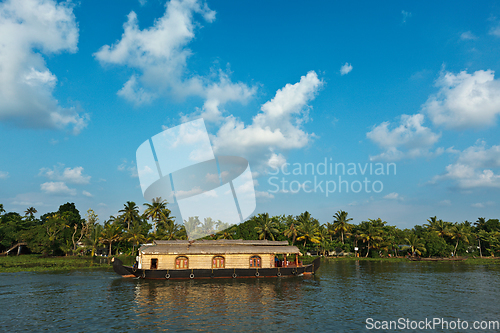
[[135, 236], [308, 228], [1, 209], [130, 213], [480, 223], [110, 234], [92, 239], [440, 227], [341, 223], [192, 227], [266, 226], [370, 234], [157, 211], [228, 233], [459, 232], [416, 244], [291, 232], [30, 211], [324, 242]]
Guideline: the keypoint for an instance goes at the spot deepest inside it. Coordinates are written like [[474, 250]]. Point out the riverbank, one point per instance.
[[37, 263], [470, 260]]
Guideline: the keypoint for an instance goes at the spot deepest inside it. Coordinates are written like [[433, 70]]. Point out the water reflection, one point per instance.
[[339, 298], [217, 303]]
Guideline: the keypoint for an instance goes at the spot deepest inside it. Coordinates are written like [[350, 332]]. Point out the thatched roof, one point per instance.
[[221, 246]]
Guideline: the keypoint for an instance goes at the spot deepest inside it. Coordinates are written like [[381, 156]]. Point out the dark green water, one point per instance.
[[339, 298]]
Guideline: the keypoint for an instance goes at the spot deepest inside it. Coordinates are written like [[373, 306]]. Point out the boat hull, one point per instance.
[[220, 273]]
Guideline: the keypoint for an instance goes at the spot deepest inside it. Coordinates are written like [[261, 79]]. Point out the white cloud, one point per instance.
[[495, 31], [276, 160], [4, 175], [159, 53], [465, 100], [482, 204], [277, 127], [392, 196], [345, 69], [467, 36], [28, 29], [264, 194], [444, 202], [409, 140], [87, 194], [71, 175], [131, 167], [406, 15], [473, 168], [57, 188]]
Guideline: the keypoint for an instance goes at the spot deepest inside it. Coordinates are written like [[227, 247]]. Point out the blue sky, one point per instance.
[[83, 84]]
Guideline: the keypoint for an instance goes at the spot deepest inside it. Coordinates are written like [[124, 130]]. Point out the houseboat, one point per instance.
[[205, 259]]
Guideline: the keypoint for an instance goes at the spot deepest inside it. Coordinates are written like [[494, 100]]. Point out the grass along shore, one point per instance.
[[37, 263], [470, 260]]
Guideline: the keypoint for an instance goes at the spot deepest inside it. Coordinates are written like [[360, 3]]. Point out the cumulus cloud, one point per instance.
[[277, 127], [4, 175], [345, 69], [408, 140], [465, 100], [159, 55], [57, 188], [87, 194], [474, 168], [28, 30], [468, 36], [71, 175]]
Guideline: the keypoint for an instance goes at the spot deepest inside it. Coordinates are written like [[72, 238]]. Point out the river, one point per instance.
[[340, 298]]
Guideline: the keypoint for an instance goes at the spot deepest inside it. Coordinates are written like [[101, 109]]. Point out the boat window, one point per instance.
[[218, 262], [255, 262], [181, 263], [154, 263]]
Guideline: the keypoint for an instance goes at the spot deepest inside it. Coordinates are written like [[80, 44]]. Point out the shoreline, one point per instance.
[[39, 264]]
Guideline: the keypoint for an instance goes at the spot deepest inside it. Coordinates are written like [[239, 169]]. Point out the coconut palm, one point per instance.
[[157, 211], [227, 233], [130, 213], [416, 244], [369, 234], [439, 227], [266, 226], [341, 224], [192, 227], [480, 223], [92, 239], [291, 232], [110, 234], [459, 232], [31, 211], [135, 235], [308, 228]]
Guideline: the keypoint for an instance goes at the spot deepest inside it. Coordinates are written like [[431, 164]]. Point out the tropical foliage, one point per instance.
[[65, 232]]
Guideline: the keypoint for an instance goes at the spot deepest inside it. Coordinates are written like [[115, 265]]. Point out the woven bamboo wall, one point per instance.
[[202, 261]]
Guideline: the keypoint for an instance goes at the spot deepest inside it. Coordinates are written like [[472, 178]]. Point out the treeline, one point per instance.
[[66, 232]]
